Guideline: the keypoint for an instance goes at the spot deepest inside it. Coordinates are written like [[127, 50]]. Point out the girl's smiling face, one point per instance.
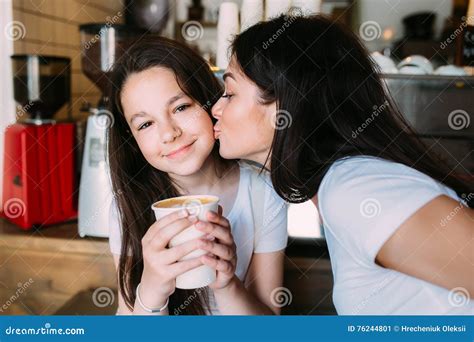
[[245, 126], [173, 131]]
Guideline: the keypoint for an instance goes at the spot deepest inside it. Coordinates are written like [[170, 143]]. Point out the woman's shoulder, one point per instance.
[[258, 183], [269, 210], [353, 184], [363, 201], [371, 172], [251, 168], [255, 179]]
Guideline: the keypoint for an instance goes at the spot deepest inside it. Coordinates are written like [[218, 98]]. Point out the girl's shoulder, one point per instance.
[[268, 210], [255, 174], [258, 183]]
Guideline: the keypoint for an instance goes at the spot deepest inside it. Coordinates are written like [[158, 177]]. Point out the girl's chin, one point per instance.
[[187, 169]]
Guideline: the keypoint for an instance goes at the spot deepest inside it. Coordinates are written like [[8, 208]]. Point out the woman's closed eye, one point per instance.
[[227, 95]]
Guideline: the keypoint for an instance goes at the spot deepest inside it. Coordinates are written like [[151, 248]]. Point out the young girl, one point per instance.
[[397, 221], [161, 145]]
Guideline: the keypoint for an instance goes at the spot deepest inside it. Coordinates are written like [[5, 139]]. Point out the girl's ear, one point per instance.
[[271, 112]]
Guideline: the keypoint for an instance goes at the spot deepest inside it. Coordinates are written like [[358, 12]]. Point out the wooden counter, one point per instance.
[[60, 271], [50, 266]]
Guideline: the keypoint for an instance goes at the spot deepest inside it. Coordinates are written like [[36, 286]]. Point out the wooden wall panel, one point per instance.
[[52, 28]]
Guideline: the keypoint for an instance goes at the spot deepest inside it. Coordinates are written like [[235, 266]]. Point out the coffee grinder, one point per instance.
[[102, 45], [39, 174]]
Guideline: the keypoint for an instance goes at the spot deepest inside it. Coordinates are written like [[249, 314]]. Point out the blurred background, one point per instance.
[[54, 68]]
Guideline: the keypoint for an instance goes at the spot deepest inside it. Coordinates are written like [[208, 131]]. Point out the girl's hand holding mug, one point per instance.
[[161, 264]]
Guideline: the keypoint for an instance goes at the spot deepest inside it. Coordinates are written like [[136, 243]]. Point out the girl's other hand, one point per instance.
[[222, 250]]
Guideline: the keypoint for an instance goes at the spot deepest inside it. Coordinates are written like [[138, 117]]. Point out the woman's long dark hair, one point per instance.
[[326, 87], [136, 181]]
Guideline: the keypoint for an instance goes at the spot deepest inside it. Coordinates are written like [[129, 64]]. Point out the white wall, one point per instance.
[[303, 221]]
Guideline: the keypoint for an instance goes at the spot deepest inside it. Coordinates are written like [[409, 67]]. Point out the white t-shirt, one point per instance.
[[362, 201], [253, 233]]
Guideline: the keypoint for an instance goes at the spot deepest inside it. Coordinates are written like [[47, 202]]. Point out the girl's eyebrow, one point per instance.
[[175, 98], [136, 116]]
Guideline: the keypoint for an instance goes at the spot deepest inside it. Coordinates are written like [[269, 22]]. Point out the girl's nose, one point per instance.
[[169, 132]]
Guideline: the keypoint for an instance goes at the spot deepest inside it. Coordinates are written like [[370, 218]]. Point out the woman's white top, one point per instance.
[[363, 201], [253, 231]]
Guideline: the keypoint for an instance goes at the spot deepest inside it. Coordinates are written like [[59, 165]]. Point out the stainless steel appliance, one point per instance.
[[102, 46], [441, 110]]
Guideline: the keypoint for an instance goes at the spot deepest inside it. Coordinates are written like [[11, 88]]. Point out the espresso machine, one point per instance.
[[102, 46], [39, 167]]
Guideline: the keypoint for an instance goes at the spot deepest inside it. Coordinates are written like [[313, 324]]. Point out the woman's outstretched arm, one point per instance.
[[436, 244]]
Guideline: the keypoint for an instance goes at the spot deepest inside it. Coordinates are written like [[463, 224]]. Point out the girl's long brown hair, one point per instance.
[[139, 183]]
